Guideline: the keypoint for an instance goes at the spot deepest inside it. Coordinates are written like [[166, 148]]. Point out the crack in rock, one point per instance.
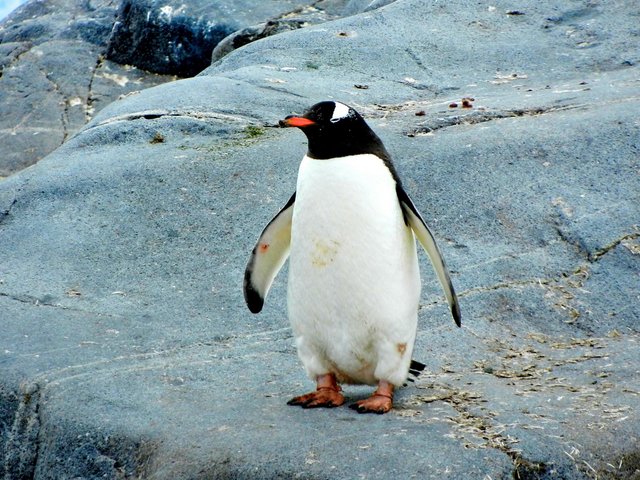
[[482, 116], [154, 114], [5, 215], [560, 289], [582, 249], [415, 59], [89, 108], [64, 113], [478, 426], [590, 255], [20, 48], [30, 300], [506, 285], [598, 254], [44, 302], [22, 443]]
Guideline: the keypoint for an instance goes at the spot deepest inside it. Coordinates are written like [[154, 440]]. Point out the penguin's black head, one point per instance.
[[334, 129]]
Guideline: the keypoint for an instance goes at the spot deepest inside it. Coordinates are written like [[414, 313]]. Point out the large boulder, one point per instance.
[[177, 37], [127, 350]]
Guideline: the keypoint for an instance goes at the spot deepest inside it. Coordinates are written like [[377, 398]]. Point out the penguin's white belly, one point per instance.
[[354, 282]]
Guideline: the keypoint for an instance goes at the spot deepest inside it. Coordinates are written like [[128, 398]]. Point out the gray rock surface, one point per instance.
[[317, 12], [127, 351], [61, 61], [54, 77]]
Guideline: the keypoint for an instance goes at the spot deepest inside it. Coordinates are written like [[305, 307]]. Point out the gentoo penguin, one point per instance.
[[354, 280]]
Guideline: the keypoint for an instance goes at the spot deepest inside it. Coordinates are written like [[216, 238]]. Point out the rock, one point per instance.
[[319, 12], [51, 57], [54, 52], [127, 350], [247, 35], [359, 6], [164, 38]]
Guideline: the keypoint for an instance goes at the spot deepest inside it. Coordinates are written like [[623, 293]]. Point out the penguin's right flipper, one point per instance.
[[425, 237], [268, 256]]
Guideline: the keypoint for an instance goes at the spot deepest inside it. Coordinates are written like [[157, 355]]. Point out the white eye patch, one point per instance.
[[339, 112]]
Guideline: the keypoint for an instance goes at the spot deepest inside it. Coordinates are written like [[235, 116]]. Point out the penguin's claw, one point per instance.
[[374, 404], [323, 398]]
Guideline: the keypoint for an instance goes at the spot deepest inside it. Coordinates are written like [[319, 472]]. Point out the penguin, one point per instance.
[[354, 284]]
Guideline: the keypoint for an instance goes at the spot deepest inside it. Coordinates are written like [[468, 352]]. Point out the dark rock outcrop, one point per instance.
[[177, 38]]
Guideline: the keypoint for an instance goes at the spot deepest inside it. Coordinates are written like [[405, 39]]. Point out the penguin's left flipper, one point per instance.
[[268, 256], [425, 237]]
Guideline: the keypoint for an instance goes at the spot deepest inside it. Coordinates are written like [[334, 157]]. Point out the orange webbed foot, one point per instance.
[[328, 394], [320, 398], [373, 404], [380, 402]]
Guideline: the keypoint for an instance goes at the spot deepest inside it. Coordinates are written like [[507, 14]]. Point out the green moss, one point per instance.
[[222, 145], [253, 131]]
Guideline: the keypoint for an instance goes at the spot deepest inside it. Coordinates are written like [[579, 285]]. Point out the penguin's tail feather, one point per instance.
[[415, 369]]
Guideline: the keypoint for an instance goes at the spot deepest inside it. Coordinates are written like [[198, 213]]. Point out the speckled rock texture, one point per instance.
[[126, 349]]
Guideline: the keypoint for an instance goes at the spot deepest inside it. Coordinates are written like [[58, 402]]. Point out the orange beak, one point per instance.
[[293, 121]]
